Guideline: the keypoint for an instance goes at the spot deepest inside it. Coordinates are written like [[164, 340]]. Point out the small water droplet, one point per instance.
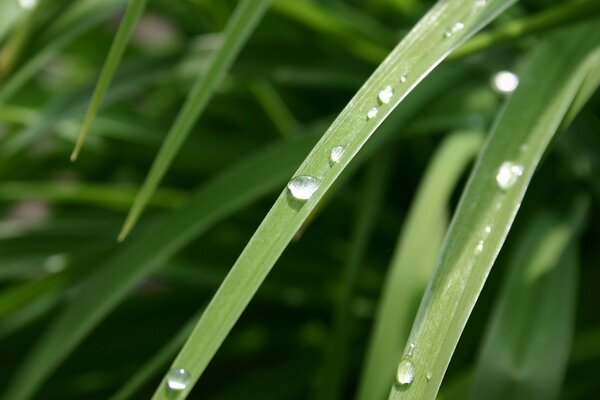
[[480, 3], [372, 113], [505, 82], [479, 247], [406, 372], [428, 375], [455, 28], [403, 78], [336, 154], [385, 94], [488, 229], [524, 147], [178, 379], [28, 4], [302, 187], [507, 175]]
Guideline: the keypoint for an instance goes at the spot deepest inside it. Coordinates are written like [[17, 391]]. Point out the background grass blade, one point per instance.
[[413, 262], [535, 313], [521, 135], [443, 28], [240, 26], [128, 24], [335, 361]]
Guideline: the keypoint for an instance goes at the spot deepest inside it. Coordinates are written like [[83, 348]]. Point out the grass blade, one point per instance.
[[119, 44], [413, 262], [536, 312], [446, 26], [240, 26], [521, 134]]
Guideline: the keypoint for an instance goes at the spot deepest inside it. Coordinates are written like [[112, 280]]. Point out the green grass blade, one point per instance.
[[521, 135], [119, 44], [220, 198], [240, 26], [413, 262], [334, 371], [441, 30], [536, 312]]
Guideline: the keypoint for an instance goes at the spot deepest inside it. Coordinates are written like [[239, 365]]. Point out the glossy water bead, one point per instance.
[[302, 187], [385, 94], [508, 174], [406, 372], [178, 379], [336, 154], [372, 113]]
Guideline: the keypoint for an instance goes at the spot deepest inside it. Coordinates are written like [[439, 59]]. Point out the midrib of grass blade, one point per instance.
[[521, 134], [334, 369], [119, 44], [441, 30], [241, 24], [138, 258], [413, 262], [535, 313]]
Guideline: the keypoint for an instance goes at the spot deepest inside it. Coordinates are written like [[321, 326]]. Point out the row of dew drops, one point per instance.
[[302, 187]]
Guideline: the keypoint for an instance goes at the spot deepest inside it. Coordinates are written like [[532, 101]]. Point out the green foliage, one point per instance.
[[215, 105]]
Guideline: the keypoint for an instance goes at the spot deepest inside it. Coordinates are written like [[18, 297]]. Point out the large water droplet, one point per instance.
[[406, 372], [28, 4], [385, 94], [336, 154], [507, 175], [372, 113], [178, 379], [302, 187], [505, 82], [455, 28]]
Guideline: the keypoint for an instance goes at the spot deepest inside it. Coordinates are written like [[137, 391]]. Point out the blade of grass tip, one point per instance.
[[535, 312], [441, 30], [490, 202], [224, 195], [117, 48], [413, 261], [241, 24], [153, 366], [333, 375]]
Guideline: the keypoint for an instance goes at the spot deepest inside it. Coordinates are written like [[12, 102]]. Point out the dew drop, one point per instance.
[[488, 229], [28, 4], [480, 3], [505, 82], [479, 247], [403, 78], [428, 375], [336, 154], [178, 379], [507, 175], [406, 372], [302, 187], [372, 113], [455, 28], [385, 94]]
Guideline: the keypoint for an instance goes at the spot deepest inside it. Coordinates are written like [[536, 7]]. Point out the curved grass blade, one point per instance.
[[368, 209], [441, 30], [536, 313], [241, 24], [413, 262], [489, 203], [119, 44], [226, 194]]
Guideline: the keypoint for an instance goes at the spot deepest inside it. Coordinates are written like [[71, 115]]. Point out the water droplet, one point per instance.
[[488, 229], [302, 187], [505, 82], [178, 379], [428, 375], [480, 3], [479, 247], [507, 175], [403, 78], [28, 4], [406, 372], [385, 94], [372, 113], [524, 147], [455, 28], [336, 154]]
